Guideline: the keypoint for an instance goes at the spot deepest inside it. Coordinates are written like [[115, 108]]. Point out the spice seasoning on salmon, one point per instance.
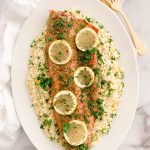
[[97, 103], [64, 25]]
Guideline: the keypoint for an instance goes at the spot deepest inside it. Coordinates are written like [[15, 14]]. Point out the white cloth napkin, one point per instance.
[[13, 14]]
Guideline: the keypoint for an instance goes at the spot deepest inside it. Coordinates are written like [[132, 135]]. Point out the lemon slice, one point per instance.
[[60, 52], [86, 39], [65, 102], [76, 132], [83, 77]]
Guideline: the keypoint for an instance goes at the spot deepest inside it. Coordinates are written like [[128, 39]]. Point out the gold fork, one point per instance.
[[116, 6]]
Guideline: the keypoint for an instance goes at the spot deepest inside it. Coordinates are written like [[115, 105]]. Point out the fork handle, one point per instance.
[[139, 45]]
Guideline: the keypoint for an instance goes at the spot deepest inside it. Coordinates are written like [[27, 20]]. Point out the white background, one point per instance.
[[138, 12]]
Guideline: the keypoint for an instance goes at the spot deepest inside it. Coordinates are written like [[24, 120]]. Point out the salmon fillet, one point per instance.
[[61, 22]]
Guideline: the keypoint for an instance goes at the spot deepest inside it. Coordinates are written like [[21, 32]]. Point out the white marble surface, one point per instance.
[[138, 137]]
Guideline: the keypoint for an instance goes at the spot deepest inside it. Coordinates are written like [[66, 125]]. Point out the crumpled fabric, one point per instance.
[[13, 14]]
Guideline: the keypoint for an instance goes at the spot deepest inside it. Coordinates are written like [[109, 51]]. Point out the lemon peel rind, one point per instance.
[[69, 50], [65, 92], [77, 71], [86, 133], [79, 34]]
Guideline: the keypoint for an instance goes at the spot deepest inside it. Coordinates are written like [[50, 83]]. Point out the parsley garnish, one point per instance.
[[86, 119], [112, 115], [33, 43], [69, 25], [100, 58], [78, 11], [122, 83], [87, 55], [96, 70], [101, 26], [66, 127], [103, 82], [50, 39], [75, 115], [44, 82], [41, 126], [52, 138], [91, 104], [98, 114], [69, 80], [30, 62], [46, 122], [83, 147], [110, 40], [60, 36], [60, 78], [43, 68], [58, 24], [88, 19], [122, 75], [99, 102]]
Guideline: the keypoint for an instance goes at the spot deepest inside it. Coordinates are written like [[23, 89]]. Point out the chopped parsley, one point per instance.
[[30, 62], [60, 78], [103, 82], [33, 43], [111, 91], [100, 58], [70, 79], [78, 11], [110, 67], [112, 115], [45, 115], [84, 89], [91, 104], [99, 102], [86, 56], [110, 40], [82, 100], [69, 25], [51, 107], [58, 24], [86, 119], [43, 68], [50, 39], [46, 122], [101, 26], [96, 70], [66, 127], [57, 132], [122, 83], [83, 147], [122, 75], [52, 138], [98, 114], [60, 36], [107, 92], [42, 126], [93, 50], [75, 115], [44, 82], [108, 73], [88, 19]]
